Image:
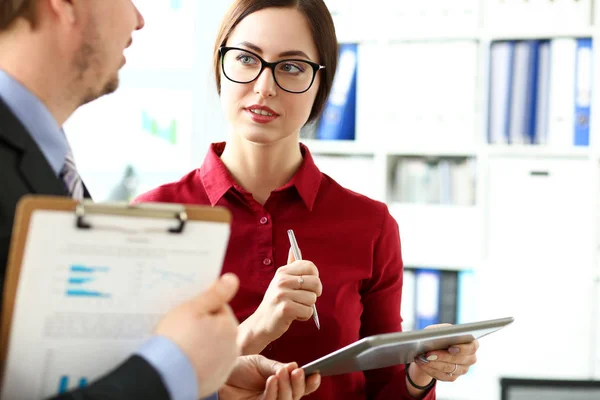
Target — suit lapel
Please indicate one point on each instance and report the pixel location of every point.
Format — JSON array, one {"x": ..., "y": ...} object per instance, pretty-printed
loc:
[
  {"x": 34, "y": 167},
  {"x": 86, "y": 193}
]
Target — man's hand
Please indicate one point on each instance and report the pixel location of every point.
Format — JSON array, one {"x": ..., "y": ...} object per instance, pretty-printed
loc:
[
  {"x": 256, "y": 377},
  {"x": 205, "y": 329}
]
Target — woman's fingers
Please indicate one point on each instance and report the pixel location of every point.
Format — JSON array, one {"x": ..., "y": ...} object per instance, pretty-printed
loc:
[
  {"x": 290, "y": 310},
  {"x": 308, "y": 283},
  {"x": 302, "y": 267}
]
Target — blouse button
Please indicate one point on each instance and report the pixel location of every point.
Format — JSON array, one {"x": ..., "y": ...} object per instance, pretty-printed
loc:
[
  {"x": 267, "y": 261},
  {"x": 264, "y": 220}
]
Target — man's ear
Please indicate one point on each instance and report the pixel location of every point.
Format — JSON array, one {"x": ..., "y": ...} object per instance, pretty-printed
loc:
[{"x": 63, "y": 9}]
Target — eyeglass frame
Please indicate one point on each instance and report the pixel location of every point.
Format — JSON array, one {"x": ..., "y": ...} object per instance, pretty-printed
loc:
[{"x": 272, "y": 65}]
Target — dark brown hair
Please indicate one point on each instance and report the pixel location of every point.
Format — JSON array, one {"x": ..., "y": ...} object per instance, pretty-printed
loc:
[
  {"x": 10, "y": 10},
  {"x": 323, "y": 32}
]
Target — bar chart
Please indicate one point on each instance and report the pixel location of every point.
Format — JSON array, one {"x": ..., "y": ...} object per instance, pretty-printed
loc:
[
  {"x": 166, "y": 131},
  {"x": 68, "y": 367},
  {"x": 63, "y": 384},
  {"x": 86, "y": 281}
]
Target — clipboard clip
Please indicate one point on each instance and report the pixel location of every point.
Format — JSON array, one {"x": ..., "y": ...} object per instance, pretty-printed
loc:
[{"x": 151, "y": 210}]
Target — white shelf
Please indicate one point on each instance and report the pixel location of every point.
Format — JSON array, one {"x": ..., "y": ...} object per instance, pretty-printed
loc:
[
  {"x": 435, "y": 264},
  {"x": 432, "y": 151},
  {"x": 433, "y": 36},
  {"x": 352, "y": 35},
  {"x": 351, "y": 147},
  {"x": 338, "y": 147},
  {"x": 538, "y": 151},
  {"x": 528, "y": 34}
]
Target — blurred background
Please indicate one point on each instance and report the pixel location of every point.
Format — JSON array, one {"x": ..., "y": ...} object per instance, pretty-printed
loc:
[{"x": 474, "y": 120}]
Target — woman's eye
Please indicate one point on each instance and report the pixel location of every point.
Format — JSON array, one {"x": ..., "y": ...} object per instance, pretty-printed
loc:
[
  {"x": 245, "y": 59},
  {"x": 291, "y": 68}
]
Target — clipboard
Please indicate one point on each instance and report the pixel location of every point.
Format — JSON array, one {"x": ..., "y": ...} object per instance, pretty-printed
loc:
[
  {"x": 149, "y": 258},
  {"x": 385, "y": 350}
]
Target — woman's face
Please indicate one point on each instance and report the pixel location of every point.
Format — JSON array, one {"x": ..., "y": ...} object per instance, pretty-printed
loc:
[{"x": 260, "y": 111}]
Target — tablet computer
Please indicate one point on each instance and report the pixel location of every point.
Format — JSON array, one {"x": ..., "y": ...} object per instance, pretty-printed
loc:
[{"x": 389, "y": 349}]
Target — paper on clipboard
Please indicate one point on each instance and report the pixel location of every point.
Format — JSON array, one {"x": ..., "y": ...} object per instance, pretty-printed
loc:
[{"x": 87, "y": 298}]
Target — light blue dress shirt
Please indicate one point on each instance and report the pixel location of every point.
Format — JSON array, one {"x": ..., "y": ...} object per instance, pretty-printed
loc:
[
  {"x": 171, "y": 363},
  {"x": 174, "y": 367}
]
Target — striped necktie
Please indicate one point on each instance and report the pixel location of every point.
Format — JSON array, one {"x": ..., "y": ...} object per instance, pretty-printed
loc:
[{"x": 71, "y": 178}]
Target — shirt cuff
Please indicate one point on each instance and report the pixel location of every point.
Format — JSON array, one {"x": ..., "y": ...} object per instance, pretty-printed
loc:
[{"x": 173, "y": 366}]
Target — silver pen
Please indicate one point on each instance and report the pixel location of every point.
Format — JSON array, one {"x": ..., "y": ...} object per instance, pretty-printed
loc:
[{"x": 298, "y": 257}]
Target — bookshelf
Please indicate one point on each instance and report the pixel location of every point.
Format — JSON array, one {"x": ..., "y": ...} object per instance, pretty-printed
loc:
[{"x": 538, "y": 261}]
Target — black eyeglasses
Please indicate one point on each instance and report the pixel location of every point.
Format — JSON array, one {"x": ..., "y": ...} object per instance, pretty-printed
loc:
[{"x": 292, "y": 75}]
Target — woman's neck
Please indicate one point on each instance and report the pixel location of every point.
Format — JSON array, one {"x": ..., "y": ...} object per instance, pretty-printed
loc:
[{"x": 262, "y": 168}]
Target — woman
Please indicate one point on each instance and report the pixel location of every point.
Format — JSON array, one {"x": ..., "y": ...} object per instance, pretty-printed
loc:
[{"x": 274, "y": 66}]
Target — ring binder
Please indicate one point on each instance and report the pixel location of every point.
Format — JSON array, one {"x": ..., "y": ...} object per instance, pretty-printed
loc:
[{"x": 152, "y": 210}]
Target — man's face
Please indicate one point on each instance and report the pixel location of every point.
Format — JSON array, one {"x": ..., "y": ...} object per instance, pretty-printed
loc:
[{"x": 106, "y": 30}]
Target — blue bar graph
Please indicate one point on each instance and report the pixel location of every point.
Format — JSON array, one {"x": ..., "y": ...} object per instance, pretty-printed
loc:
[
  {"x": 81, "y": 278},
  {"x": 80, "y": 281},
  {"x": 85, "y": 293},
  {"x": 81, "y": 268},
  {"x": 63, "y": 384}
]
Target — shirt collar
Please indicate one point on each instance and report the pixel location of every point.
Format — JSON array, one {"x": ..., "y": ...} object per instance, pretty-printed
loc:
[
  {"x": 307, "y": 179},
  {"x": 215, "y": 177},
  {"x": 217, "y": 180},
  {"x": 37, "y": 119}
]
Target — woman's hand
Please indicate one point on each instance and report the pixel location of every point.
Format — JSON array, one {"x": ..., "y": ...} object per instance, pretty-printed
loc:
[
  {"x": 446, "y": 365},
  {"x": 291, "y": 294}
]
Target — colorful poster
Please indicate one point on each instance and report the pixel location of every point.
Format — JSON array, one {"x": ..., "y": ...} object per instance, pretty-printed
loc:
[{"x": 147, "y": 130}]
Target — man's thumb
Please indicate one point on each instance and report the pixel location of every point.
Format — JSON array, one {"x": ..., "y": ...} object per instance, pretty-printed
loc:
[{"x": 218, "y": 294}]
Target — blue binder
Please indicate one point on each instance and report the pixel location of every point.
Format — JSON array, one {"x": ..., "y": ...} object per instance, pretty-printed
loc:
[
  {"x": 583, "y": 92},
  {"x": 500, "y": 94},
  {"x": 532, "y": 89},
  {"x": 339, "y": 116},
  {"x": 427, "y": 297}
]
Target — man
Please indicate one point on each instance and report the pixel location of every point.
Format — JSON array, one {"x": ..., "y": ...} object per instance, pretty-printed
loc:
[{"x": 56, "y": 55}]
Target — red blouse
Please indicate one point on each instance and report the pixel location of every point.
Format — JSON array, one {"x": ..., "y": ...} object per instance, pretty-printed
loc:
[{"x": 353, "y": 241}]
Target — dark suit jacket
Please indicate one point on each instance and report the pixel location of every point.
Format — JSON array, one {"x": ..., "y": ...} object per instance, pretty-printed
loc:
[{"x": 23, "y": 170}]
